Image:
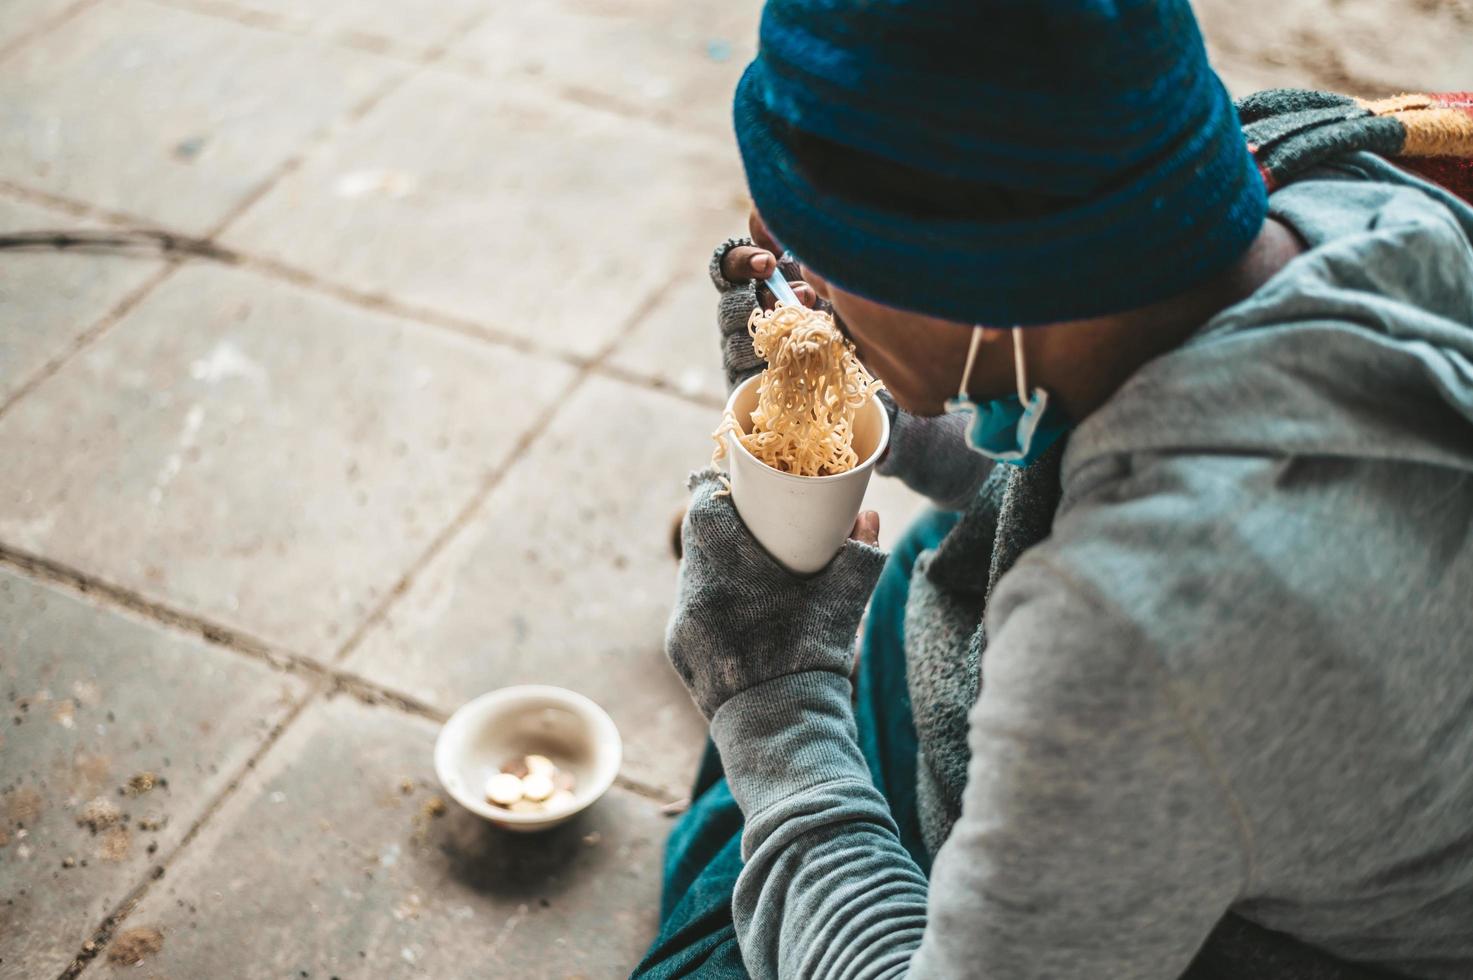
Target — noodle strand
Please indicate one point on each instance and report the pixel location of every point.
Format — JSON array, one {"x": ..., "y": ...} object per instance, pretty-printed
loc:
[{"x": 808, "y": 396}]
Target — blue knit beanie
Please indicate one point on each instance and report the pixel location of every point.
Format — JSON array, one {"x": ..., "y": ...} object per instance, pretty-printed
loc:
[{"x": 1107, "y": 111}]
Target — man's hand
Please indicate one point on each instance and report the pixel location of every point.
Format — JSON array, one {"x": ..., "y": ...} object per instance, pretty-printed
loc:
[
  {"x": 741, "y": 619},
  {"x": 755, "y": 262},
  {"x": 929, "y": 454}
]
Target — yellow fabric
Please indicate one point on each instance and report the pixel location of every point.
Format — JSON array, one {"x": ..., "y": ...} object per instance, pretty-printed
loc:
[{"x": 1436, "y": 132}]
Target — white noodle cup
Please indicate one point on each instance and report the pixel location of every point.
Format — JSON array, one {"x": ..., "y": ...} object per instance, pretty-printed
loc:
[{"x": 802, "y": 521}]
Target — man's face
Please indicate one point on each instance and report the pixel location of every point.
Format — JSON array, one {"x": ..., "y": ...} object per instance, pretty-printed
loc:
[{"x": 920, "y": 358}]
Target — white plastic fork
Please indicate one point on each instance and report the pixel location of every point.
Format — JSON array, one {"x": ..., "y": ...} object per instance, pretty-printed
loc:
[{"x": 781, "y": 289}]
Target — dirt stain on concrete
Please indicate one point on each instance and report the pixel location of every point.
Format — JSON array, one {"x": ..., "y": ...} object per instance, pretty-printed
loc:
[
  {"x": 134, "y": 946},
  {"x": 64, "y": 713},
  {"x": 99, "y": 814},
  {"x": 95, "y": 771},
  {"x": 115, "y": 845},
  {"x": 23, "y": 806},
  {"x": 140, "y": 783}
]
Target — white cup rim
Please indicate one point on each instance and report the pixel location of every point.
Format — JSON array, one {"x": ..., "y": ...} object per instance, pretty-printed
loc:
[{"x": 736, "y": 443}]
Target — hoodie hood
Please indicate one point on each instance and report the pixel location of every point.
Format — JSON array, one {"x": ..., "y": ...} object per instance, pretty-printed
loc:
[{"x": 1360, "y": 347}]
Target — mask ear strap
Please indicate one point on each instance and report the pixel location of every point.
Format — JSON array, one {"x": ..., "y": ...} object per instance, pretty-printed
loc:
[
  {"x": 971, "y": 359},
  {"x": 1018, "y": 367}
]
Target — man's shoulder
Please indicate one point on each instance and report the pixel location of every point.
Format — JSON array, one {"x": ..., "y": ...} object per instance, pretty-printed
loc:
[
  {"x": 1223, "y": 554},
  {"x": 1235, "y": 572}
]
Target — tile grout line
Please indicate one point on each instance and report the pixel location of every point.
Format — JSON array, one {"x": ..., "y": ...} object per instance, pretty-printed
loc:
[
  {"x": 235, "y": 642},
  {"x": 364, "y": 41},
  {"x": 380, "y": 303},
  {"x": 320, "y": 681},
  {"x": 94, "y": 945},
  {"x": 429, "y": 57},
  {"x": 388, "y": 47},
  {"x": 642, "y": 789},
  {"x": 478, "y": 499},
  {"x": 45, "y": 26},
  {"x": 319, "y": 139},
  {"x": 477, "y": 502},
  {"x": 104, "y": 931},
  {"x": 524, "y": 442},
  {"x": 284, "y": 272},
  {"x": 357, "y": 112},
  {"x": 71, "y": 206},
  {"x": 657, "y": 384},
  {"x": 100, "y": 937},
  {"x": 119, "y": 598},
  {"x": 475, "y": 331},
  {"x": 243, "y": 643},
  {"x": 462, "y": 517},
  {"x": 108, "y": 321},
  {"x": 89, "y": 336},
  {"x": 323, "y": 681},
  {"x": 375, "y": 303}
]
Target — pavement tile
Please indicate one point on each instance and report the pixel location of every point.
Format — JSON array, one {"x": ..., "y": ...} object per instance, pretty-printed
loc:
[
  {"x": 168, "y": 115},
  {"x": 423, "y": 24},
  {"x": 490, "y": 203},
  {"x": 678, "y": 59},
  {"x": 1371, "y": 48},
  {"x": 322, "y": 865},
  {"x": 676, "y": 344},
  {"x": 566, "y": 577},
  {"x": 260, "y": 455},
  {"x": 94, "y": 698},
  {"x": 51, "y": 298},
  {"x": 24, "y": 16}
]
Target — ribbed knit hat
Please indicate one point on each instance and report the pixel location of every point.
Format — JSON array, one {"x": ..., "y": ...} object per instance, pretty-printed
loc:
[{"x": 1105, "y": 111}]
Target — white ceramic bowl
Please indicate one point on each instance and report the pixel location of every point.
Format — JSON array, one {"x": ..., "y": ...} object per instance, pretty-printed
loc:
[{"x": 533, "y": 719}]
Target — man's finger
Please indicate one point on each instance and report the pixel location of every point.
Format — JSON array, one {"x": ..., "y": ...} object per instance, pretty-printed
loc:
[
  {"x": 801, "y": 289},
  {"x": 746, "y": 262},
  {"x": 867, "y": 528}
]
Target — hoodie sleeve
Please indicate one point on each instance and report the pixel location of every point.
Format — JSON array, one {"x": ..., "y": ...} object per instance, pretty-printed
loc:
[{"x": 1096, "y": 837}]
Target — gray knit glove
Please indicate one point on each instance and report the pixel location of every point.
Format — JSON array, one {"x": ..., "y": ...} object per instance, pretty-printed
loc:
[
  {"x": 741, "y": 619},
  {"x": 734, "y": 308}
]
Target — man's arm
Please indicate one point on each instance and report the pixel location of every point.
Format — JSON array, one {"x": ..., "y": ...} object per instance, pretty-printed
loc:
[{"x": 1097, "y": 837}]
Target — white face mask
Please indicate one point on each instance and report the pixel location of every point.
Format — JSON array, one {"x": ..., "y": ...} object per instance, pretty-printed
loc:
[{"x": 1016, "y": 429}]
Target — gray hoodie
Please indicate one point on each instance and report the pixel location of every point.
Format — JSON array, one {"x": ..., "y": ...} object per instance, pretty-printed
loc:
[{"x": 1238, "y": 675}]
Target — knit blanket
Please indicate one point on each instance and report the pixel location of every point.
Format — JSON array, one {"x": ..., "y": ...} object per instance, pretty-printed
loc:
[{"x": 1290, "y": 131}]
